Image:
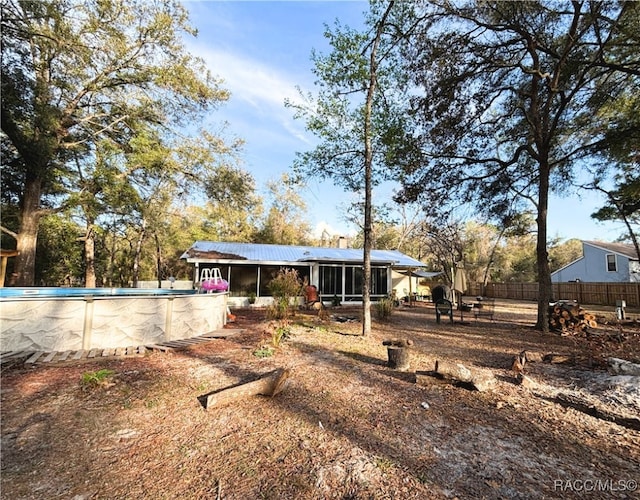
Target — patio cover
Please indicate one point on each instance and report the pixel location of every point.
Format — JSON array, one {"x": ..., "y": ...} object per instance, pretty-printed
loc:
[{"x": 417, "y": 273}]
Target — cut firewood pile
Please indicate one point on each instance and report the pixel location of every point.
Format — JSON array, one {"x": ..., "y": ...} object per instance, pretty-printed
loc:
[{"x": 569, "y": 318}]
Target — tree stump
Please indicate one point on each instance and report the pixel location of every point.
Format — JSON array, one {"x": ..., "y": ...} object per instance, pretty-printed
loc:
[{"x": 398, "y": 358}]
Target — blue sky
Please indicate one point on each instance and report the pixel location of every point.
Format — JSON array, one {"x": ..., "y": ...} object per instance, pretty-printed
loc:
[{"x": 262, "y": 51}]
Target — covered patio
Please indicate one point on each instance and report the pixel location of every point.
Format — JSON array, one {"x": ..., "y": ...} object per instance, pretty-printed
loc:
[{"x": 336, "y": 272}]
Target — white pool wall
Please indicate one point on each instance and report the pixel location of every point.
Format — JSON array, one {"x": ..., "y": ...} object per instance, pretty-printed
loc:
[{"x": 74, "y": 323}]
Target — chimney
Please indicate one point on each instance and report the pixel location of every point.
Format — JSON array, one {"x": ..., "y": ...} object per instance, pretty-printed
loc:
[{"x": 343, "y": 242}]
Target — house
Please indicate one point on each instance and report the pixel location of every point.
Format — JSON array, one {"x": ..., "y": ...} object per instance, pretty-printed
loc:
[
  {"x": 336, "y": 272},
  {"x": 602, "y": 263}
]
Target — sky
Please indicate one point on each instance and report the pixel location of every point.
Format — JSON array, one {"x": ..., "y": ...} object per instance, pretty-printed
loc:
[{"x": 262, "y": 51}]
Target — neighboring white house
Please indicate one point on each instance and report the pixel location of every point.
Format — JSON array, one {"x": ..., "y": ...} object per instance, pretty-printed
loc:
[
  {"x": 602, "y": 263},
  {"x": 336, "y": 272}
]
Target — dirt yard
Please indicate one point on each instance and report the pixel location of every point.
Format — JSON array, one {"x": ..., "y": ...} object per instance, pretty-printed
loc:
[{"x": 345, "y": 426}]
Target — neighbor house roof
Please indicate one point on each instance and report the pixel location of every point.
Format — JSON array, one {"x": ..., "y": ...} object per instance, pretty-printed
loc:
[
  {"x": 218, "y": 251},
  {"x": 625, "y": 249}
]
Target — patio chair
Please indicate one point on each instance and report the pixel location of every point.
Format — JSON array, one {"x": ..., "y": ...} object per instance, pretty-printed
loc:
[
  {"x": 312, "y": 298},
  {"x": 484, "y": 306},
  {"x": 444, "y": 307}
]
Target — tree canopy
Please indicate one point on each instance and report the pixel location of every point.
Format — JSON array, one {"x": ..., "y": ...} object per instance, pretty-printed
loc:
[
  {"x": 350, "y": 114},
  {"x": 504, "y": 100},
  {"x": 77, "y": 74}
]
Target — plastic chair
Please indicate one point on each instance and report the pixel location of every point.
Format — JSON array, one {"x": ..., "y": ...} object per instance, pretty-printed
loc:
[
  {"x": 211, "y": 280},
  {"x": 444, "y": 307}
]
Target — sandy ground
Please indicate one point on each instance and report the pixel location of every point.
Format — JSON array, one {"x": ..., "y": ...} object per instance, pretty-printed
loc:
[{"x": 345, "y": 426}]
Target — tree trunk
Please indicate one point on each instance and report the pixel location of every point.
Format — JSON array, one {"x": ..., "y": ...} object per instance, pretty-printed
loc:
[
  {"x": 485, "y": 279},
  {"x": 158, "y": 261},
  {"x": 27, "y": 237},
  {"x": 542, "y": 255},
  {"x": 367, "y": 230},
  {"x": 138, "y": 253},
  {"x": 111, "y": 263},
  {"x": 632, "y": 233},
  {"x": 90, "y": 257},
  {"x": 368, "y": 169}
]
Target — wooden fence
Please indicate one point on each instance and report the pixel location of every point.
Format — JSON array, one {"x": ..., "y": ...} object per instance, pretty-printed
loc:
[{"x": 605, "y": 294}]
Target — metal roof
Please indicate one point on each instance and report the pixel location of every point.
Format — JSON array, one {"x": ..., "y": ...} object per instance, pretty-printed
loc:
[{"x": 219, "y": 251}]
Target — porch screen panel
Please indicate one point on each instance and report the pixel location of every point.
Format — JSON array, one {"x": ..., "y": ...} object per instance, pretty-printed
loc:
[
  {"x": 268, "y": 273},
  {"x": 243, "y": 280},
  {"x": 379, "y": 281},
  {"x": 354, "y": 279},
  {"x": 330, "y": 280},
  {"x": 224, "y": 270}
]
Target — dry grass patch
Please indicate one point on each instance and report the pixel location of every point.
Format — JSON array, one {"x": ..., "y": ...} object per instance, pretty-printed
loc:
[{"x": 346, "y": 426}]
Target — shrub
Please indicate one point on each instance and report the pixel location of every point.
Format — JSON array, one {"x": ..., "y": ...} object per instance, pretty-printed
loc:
[
  {"x": 94, "y": 379},
  {"x": 264, "y": 352},
  {"x": 281, "y": 333},
  {"x": 285, "y": 288},
  {"x": 384, "y": 308}
]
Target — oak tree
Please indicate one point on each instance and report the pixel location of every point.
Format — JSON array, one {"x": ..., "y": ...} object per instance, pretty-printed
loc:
[
  {"x": 503, "y": 96},
  {"x": 76, "y": 72}
]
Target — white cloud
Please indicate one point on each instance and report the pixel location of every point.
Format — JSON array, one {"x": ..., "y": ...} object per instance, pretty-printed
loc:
[
  {"x": 331, "y": 231},
  {"x": 257, "y": 87}
]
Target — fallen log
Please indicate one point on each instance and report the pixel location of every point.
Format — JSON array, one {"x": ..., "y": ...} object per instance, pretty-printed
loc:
[
  {"x": 458, "y": 372},
  {"x": 429, "y": 378},
  {"x": 268, "y": 384},
  {"x": 618, "y": 366},
  {"x": 557, "y": 359},
  {"x": 597, "y": 410},
  {"x": 532, "y": 356}
]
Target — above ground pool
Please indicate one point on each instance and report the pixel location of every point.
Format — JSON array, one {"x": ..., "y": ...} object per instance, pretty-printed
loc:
[
  {"x": 62, "y": 319},
  {"x": 41, "y": 292}
]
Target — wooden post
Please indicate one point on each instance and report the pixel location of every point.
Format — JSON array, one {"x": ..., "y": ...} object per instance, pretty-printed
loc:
[{"x": 4, "y": 255}]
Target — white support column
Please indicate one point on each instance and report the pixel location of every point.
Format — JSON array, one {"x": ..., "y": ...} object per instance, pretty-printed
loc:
[{"x": 88, "y": 323}]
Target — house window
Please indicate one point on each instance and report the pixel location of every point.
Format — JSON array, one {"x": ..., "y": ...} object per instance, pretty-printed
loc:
[
  {"x": 611, "y": 263},
  {"x": 353, "y": 282}
]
